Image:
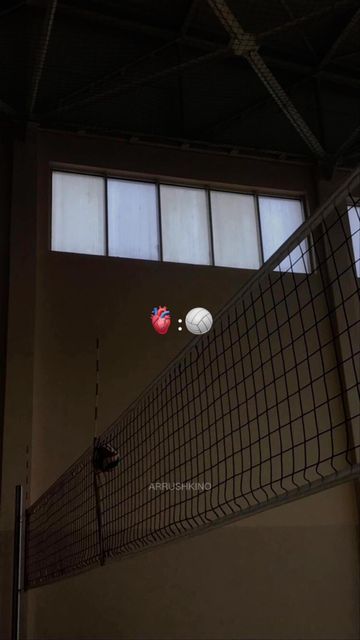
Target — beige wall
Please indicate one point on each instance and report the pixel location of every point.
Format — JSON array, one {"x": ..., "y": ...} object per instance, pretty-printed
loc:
[
  {"x": 20, "y": 358},
  {"x": 5, "y": 200},
  {"x": 5, "y": 203},
  {"x": 289, "y": 573},
  {"x": 80, "y": 297}
]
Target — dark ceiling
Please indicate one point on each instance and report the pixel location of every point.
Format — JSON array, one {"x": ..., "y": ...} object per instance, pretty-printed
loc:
[{"x": 271, "y": 77}]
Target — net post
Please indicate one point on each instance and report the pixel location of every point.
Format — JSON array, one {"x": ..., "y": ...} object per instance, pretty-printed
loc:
[
  {"x": 97, "y": 487},
  {"x": 17, "y": 563},
  {"x": 98, "y": 505}
]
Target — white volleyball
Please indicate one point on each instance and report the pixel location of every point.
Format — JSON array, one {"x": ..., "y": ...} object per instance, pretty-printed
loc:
[{"x": 198, "y": 320}]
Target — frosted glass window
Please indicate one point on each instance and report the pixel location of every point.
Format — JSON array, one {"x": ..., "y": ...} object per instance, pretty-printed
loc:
[
  {"x": 185, "y": 225},
  {"x": 279, "y": 218},
  {"x": 235, "y": 230},
  {"x": 133, "y": 220},
  {"x": 78, "y": 213},
  {"x": 354, "y": 221}
]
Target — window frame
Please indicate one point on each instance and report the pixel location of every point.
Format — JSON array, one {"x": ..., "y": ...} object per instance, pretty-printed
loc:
[
  {"x": 255, "y": 196},
  {"x": 157, "y": 181},
  {"x": 55, "y": 169},
  {"x": 158, "y": 217},
  {"x": 308, "y": 239},
  {"x": 350, "y": 205},
  {"x": 160, "y": 184}
]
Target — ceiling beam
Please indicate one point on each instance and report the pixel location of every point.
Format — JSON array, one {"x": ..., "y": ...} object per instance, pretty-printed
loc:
[
  {"x": 213, "y": 127},
  {"x": 105, "y": 91},
  {"x": 14, "y": 7},
  {"x": 133, "y": 26},
  {"x": 340, "y": 39},
  {"x": 96, "y": 87},
  {"x": 183, "y": 144},
  {"x": 285, "y": 104},
  {"x": 304, "y": 37},
  {"x": 247, "y": 110},
  {"x": 42, "y": 52},
  {"x": 243, "y": 113},
  {"x": 303, "y": 19},
  {"x": 244, "y": 44},
  {"x": 203, "y": 44},
  {"x": 92, "y": 15},
  {"x": 101, "y": 87},
  {"x": 345, "y": 56},
  {"x": 92, "y": 87},
  {"x": 348, "y": 144},
  {"x": 189, "y": 16},
  {"x": 311, "y": 71},
  {"x": 170, "y": 34}
]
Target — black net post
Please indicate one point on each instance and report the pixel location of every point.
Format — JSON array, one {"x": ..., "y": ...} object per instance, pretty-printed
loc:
[{"x": 17, "y": 564}]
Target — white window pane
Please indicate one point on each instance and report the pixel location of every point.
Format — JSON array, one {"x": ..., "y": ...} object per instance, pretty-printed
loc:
[
  {"x": 354, "y": 221},
  {"x": 235, "y": 230},
  {"x": 133, "y": 220},
  {"x": 185, "y": 225},
  {"x": 78, "y": 213},
  {"x": 279, "y": 218}
]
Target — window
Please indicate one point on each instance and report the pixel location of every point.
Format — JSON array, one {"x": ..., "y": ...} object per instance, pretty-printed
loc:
[
  {"x": 279, "y": 218},
  {"x": 354, "y": 222},
  {"x": 236, "y": 242},
  {"x": 150, "y": 221},
  {"x": 133, "y": 220},
  {"x": 185, "y": 225},
  {"x": 78, "y": 213}
]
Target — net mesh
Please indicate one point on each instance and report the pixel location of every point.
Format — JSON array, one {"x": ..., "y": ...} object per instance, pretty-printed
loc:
[{"x": 262, "y": 409}]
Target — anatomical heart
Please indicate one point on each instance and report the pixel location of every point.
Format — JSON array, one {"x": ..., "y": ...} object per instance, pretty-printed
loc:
[{"x": 160, "y": 319}]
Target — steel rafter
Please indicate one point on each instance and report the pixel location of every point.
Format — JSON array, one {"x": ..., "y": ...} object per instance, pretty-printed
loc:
[
  {"x": 43, "y": 49},
  {"x": 129, "y": 84},
  {"x": 340, "y": 39},
  {"x": 310, "y": 71},
  {"x": 189, "y": 16},
  {"x": 244, "y": 44},
  {"x": 7, "y": 10},
  {"x": 347, "y": 145},
  {"x": 96, "y": 88},
  {"x": 202, "y": 44},
  {"x": 304, "y": 38},
  {"x": 247, "y": 110},
  {"x": 309, "y": 17},
  {"x": 161, "y": 32}
]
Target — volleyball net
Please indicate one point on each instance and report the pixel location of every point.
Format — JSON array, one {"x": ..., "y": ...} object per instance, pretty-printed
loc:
[{"x": 261, "y": 410}]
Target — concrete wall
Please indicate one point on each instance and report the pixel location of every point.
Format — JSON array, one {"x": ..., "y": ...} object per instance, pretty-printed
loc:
[{"x": 288, "y": 573}]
